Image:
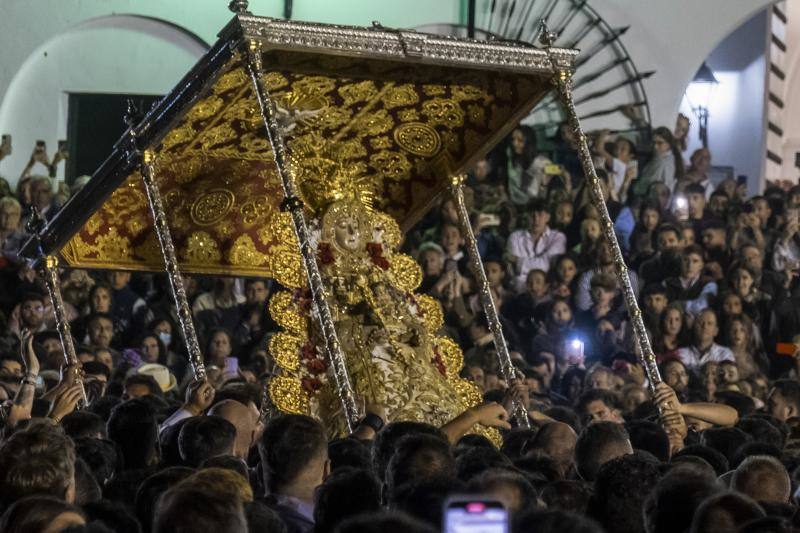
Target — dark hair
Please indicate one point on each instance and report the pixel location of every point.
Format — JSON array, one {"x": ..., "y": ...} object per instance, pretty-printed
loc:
[
  {"x": 649, "y": 436},
  {"x": 419, "y": 457},
  {"x": 133, "y": 427},
  {"x": 385, "y": 522},
  {"x": 743, "y": 403},
  {"x": 722, "y": 512},
  {"x": 671, "y": 505},
  {"x": 424, "y": 498},
  {"x": 725, "y": 440},
  {"x": 101, "y": 456},
  {"x": 104, "y": 405},
  {"x": 474, "y": 461},
  {"x": 115, "y": 515},
  {"x": 592, "y": 395},
  {"x": 594, "y": 444},
  {"x": 96, "y": 287},
  {"x": 162, "y": 349},
  {"x": 553, "y": 522},
  {"x": 349, "y": 452},
  {"x": 495, "y": 478},
  {"x": 348, "y": 492},
  {"x": 666, "y": 134},
  {"x": 168, "y": 444},
  {"x": 621, "y": 487},
  {"x": 210, "y": 511},
  {"x": 87, "y": 489},
  {"x": 35, "y": 513},
  {"x": 762, "y": 431},
  {"x": 39, "y": 460},
  {"x": 289, "y": 443},
  {"x": 227, "y": 462},
  {"x": 568, "y": 495},
  {"x": 151, "y": 490},
  {"x": 79, "y": 424},
  {"x": 96, "y": 367},
  {"x": 147, "y": 381},
  {"x": 790, "y": 390},
  {"x": 262, "y": 518},
  {"x": 385, "y": 443},
  {"x": 717, "y": 460},
  {"x": 203, "y": 437}
]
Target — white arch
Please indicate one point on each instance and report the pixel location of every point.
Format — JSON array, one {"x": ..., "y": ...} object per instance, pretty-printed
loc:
[{"x": 116, "y": 53}]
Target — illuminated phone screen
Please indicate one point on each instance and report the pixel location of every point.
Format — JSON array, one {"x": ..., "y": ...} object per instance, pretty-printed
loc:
[{"x": 475, "y": 517}]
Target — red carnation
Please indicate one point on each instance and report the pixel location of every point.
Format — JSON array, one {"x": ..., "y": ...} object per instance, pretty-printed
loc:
[
  {"x": 316, "y": 366},
  {"x": 437, "y": 360},
  {"x": 310, "y": 385},
  {"x": 324, "y": 253},
  {"x": 307, "y": 352},
  {"x": 375, "y": 250}
]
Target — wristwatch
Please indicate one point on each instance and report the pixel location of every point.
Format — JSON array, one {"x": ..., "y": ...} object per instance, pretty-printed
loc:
[{"x": 373, "y": 421}]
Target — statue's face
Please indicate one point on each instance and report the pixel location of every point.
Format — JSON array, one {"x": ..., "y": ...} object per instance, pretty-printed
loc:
[{"x": 347, "y": 233}]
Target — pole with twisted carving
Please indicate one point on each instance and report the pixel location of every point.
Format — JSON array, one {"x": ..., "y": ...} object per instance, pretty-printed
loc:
[
  {"x": 171, "y": 266},
  {"x": 294, "y": 206},
  {"x": 487, "y": 302},
  {"x": 563, "y": 83}
]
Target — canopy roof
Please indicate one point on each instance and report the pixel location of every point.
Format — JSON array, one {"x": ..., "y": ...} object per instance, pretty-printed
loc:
[{"x": 392, "y": 113}]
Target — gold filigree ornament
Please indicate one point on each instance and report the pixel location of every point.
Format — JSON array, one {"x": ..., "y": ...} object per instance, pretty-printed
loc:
[
  {"x": 274, "y": 81},
  {"x": 322, "y": 175},
  {"x": 387, "y": 230},
  {"x": 391, "y": 165},
  {"x": 314, "y": 85},
  {"x": 284, "y": 310},
  {"x": 451, "y": 355},
  {"x": 431, "y": 312},
  {"x": 284, "y": 347},
  {"x": 418, "y": 139},
  {"x": 443, "y": 111},
  {"x": 354, "y": 93},
  {"x": 211, "y": 206},
  {"x": 231, "y": 80},
  {"x": 401, "y": 95},
  {"x": 112, "y": 247},
  {"x": 406, "y": 273},
  {"x": 286, "y": 265},
  {"x": 201, "y": 249},
  {"x": 244, "y": 253},
  {"x": 205, "y": 108},
  {"x": 288, "y": 396},
  {"x": 180, "y": 135},
  {"x": 374, "y": 123}
]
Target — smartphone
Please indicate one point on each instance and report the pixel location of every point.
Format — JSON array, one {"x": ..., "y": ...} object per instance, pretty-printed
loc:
[
  {"x": 741, "y": 180},
  {"x": 450, "y": 265},
  {"x": 553, "y": 170},
  {"x": 231, "y": 366},
  {"x": 573, "y": 352},
  {"x": 474, "y": 514},
  {"x": 682, "y": 208},
  {"x": 62, "y": 145}
]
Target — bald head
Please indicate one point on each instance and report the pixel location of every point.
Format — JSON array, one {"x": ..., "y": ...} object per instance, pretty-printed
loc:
[
  {"x": 763, "y": 478},
  {"x": 556, "y": 440},
  {"x": 244, "y": 418}
]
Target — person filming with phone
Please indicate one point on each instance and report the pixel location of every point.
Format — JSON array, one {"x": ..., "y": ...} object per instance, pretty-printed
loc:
[{"x": 534, "y": 248}]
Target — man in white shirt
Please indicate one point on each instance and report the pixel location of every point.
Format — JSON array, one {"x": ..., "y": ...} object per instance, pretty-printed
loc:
[
  {"x": 534, "y": 248},
  {"x": 703, "y": 349}
]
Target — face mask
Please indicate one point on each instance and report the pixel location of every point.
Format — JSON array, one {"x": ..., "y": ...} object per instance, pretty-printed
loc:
[{"x": 165, "y": 337}]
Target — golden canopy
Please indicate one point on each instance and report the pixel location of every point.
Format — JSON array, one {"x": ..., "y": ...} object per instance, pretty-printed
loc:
[{"x": 395, "y": 112}]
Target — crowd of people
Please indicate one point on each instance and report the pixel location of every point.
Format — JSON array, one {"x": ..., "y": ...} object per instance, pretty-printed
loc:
[{"x": 714, "y": 446}]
